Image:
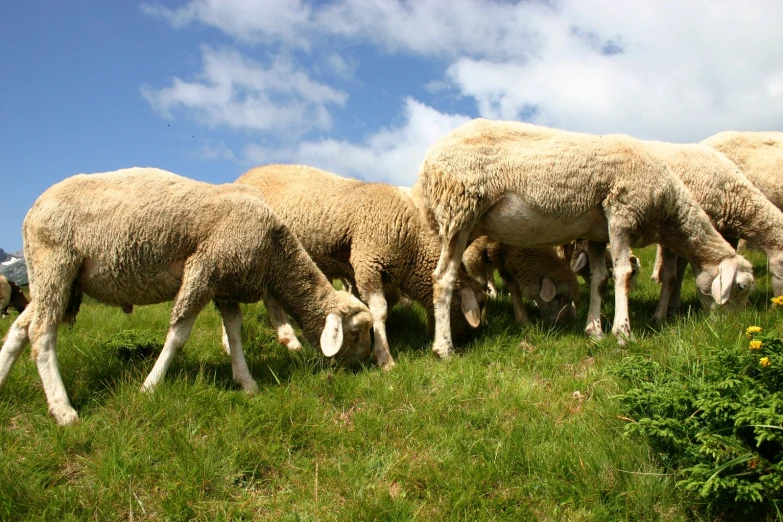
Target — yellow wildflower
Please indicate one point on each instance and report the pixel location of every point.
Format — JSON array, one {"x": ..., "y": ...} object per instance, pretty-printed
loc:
[
  {"x": 752, "y": 330},
  {"x": 764, "y": 362},
  {"x": 755, "y": 345},
  {"x": 777, "y": 300}
]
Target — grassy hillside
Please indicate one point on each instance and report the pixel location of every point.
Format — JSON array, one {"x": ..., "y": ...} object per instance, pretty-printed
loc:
[{"x": 520, "y": 425}]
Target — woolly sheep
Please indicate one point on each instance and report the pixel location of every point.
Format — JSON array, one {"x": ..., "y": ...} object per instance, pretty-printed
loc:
[
  {"x": 369, "y": 233},
  {"x": 537, "y": 274},
  {"x": 735, "y": 206},
  {"x": 532, "y": 186},
  {"x": 144, "y": 236},
  {"x": 576, "y": 253},
  {"x": 759, "y": 155},
  {"x": 11, "y": 295}
]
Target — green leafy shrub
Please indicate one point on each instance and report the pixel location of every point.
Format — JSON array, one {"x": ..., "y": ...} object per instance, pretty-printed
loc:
[{"x": 716, "y": 422}]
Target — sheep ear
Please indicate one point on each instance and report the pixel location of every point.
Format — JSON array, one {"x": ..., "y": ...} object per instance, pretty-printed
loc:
[
  {"x": 581, "y": 262},
  {"x": 721, "y": 285},
  {"x": 332, "y": 336},
  {"x": 470, "y": 307},
  {"x": 548, "y": 289}
]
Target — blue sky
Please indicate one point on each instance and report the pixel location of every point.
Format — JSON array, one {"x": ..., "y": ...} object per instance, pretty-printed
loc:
[{"x": 209, "y": 88}]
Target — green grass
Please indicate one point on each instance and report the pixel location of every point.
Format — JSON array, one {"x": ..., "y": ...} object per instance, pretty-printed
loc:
[{"x": 498, "y": 432}]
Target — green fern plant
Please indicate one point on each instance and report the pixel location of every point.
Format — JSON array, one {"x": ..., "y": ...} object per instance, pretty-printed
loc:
[{"x": 717, "y": 425}]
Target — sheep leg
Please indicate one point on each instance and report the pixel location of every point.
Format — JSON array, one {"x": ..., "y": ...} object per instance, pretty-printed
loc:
[
  {"x": 621, "y": 259},
  {"x": 674, "y": 301},
  {"x": 232, "y": 328},
  {"x": 520, "y": 314},
  {"x": 444, "y": 277},
  {"x": 492, "y": 290},
  {"x": 430, "y": 323},
  {"x": 667, "y": 274},
  {"x": 285, "y": 332},
  {"x": 191, "y": 299},
  {"x": 378, "y": 309},
  {"x": 43, "y": 337},
  {"x": 175, "y": 339},
  {"x": 14, "y": 344},
  {"x": 656, "y": 271},
  {"x": 596, "y": 255},
  {"x": 370, "y": 287}
]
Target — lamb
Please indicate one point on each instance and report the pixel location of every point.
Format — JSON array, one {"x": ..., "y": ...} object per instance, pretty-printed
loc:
[
  {"x": 142, "y": 236},
  {"x": 759, "y": 155},
  {"x": 532, "y": 186},
  {"x": 536, "y": 274},
  {"x": 576, "y": 253},
  {"x": 369, "y": 233},
  {"x": 11, "y": 295},
  {"x": 736, "y": 208}
]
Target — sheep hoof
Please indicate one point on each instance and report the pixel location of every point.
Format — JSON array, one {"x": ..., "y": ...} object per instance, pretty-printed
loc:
[
  {"x": 249, "y": 387},
  {"x": 292, "y": 344},
  {"x": 623, "y": 338},
  {"x": 64, "y": 415},
  {"x": 443, "y": 350},
  {"x": 387, "y": 365},
  {"x": 594, "y": 332}
]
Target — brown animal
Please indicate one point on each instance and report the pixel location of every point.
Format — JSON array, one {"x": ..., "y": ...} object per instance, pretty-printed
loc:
[
  {"x": 11, "y": 295},
  {"x": 537, "y": 274}
]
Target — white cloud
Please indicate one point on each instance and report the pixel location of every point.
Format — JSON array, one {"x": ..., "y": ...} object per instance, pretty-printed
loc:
[
  {"x": 341, "y": 67},
  {"x": 667, "y": 70},
  {"x": 248, "y": 21},
  {"x": 235, "y": 91},
  {"x": 680, "y": 78},
  {"x": 391, "y": 154}
]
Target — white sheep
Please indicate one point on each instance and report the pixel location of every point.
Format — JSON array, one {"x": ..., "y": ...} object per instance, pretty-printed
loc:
[
  {"x": 11, "y": 295},
  {"x": 371, "y": 234},
  {"x": 532, "y": 186},
  {"x": 759, "y": 155},
  {"x": 735, "y": 206},
  {"x": 144, "y": 236},
  {"x": 537, "y": 274},
  {"x": 576, "y": 253}
]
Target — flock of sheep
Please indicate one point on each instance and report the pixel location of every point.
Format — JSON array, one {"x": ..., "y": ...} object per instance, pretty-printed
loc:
[{"x": 490, "y": 195}]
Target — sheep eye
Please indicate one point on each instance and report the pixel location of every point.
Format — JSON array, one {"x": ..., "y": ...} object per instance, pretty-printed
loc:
[
  {"x": 741, "y": 286},
  {"x": 355, "y": 333}
]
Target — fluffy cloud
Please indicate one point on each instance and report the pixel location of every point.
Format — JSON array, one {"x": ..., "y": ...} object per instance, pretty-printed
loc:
[
  {"x": 249, "y": 21},
  {"x": 238, "y": 92},
  {"x": 668, "y": 70},
  {"x": 391, "y": 154}
]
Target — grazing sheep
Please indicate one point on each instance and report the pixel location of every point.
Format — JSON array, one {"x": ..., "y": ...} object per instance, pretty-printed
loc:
[
  {"x": 576, "y": 252},
  {"x": 735, "y": 206},
  {"x": 144, "y": 236},
  {"x": 759, "y": 155},
  {"x": 371, "y": 234},
  {"x": 537, "y": 274},
  {"x": 11, "y": 295},
  {"x": 532, "y": 186}
]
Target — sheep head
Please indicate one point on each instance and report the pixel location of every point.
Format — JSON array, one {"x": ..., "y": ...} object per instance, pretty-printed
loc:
[
  {"x": 726, "y": 284},
  {"x": 555, "y": 297},
  {"x": 346, "y": 333}
]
